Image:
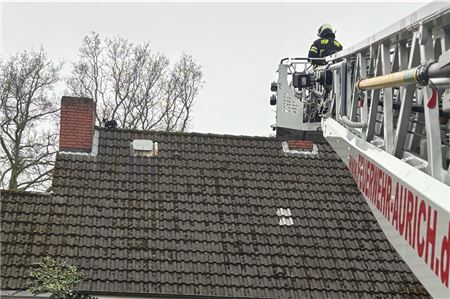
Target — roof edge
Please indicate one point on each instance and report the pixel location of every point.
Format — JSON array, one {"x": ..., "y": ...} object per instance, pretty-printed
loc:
[{"x": 212, "y": 135}]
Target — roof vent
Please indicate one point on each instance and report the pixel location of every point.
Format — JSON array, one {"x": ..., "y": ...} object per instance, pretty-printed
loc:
[{"x": 144, "y": 148}]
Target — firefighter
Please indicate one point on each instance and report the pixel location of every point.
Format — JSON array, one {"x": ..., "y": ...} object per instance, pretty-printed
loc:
[{"x": 325, "y": 45}]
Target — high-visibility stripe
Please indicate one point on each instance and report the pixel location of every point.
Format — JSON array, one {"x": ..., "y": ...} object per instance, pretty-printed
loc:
[
  {"x": 313, "y": 49},
  {"x": 336, "y": 43},
  {"x": 324, "y": 41}
]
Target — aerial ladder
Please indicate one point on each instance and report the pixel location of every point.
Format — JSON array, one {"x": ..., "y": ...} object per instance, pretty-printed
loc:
[{"x": 384, "y": 106}]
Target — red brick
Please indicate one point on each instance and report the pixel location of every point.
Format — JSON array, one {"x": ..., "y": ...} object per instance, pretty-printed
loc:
[{"x": 300, "y": 144}]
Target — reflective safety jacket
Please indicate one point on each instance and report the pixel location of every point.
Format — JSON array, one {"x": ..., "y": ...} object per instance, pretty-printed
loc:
[{"x": 323, "y": 47}]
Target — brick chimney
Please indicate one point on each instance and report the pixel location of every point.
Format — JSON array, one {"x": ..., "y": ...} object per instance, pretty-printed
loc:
[{"x": 76, "y": 124}]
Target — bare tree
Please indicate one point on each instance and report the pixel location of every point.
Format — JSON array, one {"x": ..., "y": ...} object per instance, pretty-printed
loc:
[
  {"x": 135, "y": 86},
  {"x": 28, "y": 143},
  {"x": 180, "y": 91}
]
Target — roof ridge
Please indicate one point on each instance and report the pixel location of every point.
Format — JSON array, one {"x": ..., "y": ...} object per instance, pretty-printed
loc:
[{"x": 188, "y": 133}]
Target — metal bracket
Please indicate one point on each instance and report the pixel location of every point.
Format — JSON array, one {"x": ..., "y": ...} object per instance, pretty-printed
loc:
[{"x": 422, "y": 35}]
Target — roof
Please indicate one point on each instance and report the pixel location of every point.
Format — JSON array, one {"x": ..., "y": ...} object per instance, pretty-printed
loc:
[{"x": 201, "y": 219}]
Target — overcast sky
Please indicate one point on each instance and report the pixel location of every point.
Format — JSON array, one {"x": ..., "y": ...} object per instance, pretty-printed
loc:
[{"x": 239, "y": 45}]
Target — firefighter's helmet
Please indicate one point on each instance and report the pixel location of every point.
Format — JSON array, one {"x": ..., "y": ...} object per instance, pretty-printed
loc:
[{"x": 323, "y": 28}]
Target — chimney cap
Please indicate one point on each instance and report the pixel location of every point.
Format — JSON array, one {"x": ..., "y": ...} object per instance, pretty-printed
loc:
[{"x": 76, "y": 99}]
